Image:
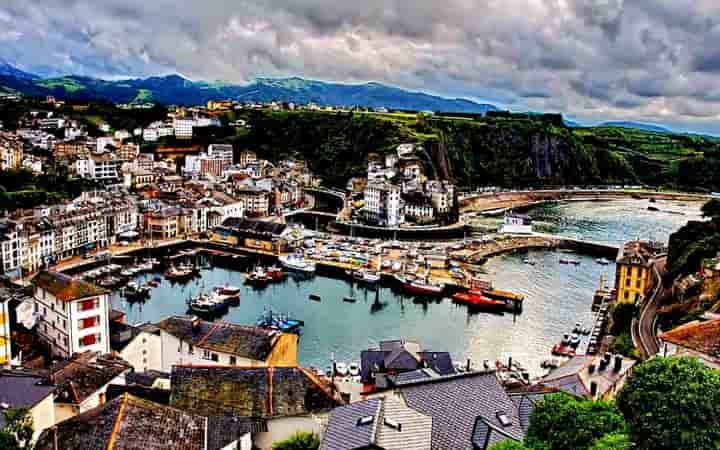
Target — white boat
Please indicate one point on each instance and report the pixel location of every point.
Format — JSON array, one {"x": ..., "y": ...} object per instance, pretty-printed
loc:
[
  {"x": 602, "y": 261},
  {"x": 516, "y": 224},
  {"x": 126, "y": 273},
  {"x": 575, "y": 340},
  {"x": 341, "y": 369},
  {"x": 297, "y": 263},
  {"x": 396, "y": 266},
  {"x": 354, "y": 369}
]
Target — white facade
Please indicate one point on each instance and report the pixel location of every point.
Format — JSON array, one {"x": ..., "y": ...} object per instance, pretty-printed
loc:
[
  {"x": 184, "y": 128},
  {"x": 222, "y": 151},
  {"x": 73, "y": 326},
  {"x": 176, "y": 352},
  {"x": 383, "y": 204},
  {"x": 144, "y": 352}
]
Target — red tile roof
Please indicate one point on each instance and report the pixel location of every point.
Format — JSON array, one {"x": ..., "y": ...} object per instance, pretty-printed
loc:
[
  {"x": 64, "y": 287},
  {"x": 703, "y": 337}
]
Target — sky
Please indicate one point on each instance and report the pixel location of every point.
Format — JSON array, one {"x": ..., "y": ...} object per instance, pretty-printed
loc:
[{"x": 643, "y": 60}]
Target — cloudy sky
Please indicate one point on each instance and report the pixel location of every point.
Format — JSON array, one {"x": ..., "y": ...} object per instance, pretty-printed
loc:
[{"x": 644, "y": 60}]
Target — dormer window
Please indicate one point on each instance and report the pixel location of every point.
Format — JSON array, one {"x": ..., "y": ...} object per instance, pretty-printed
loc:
[
  {"x": 503, "y": 419},
  {"x": 367, "y": 420},
  {"x": 392, "y": 424}
]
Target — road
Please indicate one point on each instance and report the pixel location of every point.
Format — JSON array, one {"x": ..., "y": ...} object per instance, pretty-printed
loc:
[{"x": 645, "y": 328}]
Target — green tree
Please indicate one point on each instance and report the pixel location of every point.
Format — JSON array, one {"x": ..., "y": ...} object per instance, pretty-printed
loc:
[
  {"x": 562, "y": 422},
  {"x": 673, "y": 403},
  {"x": 18, "y": 431},
  {"x": 711, "y": 209},
  {"x": 509, "y": 444},
  {"x": 613, "y": 441},
  {"x": 299, "y": 441}
]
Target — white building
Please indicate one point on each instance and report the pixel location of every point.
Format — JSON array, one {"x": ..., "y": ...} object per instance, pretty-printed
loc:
[
  {"x": 222, "y": 151},
  {"x": 73, "y": 314},
  {"x": 102, "y": 143},
  {"x": 383, "y": 204},
  {"x": 105, "y": 166},
  {"x": 184, "y": 128}
]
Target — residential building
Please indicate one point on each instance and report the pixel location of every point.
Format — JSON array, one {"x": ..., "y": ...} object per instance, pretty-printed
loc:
[
  {"x": 188, "y": 340},
  {"x": 382, "y": 366},
  {"x": 379, "y": 424},
  {"x": 128, "y": 151},
  {"x": 184, "y": 128},
  {"x": 222, "y": 207},
  {"x": 219, "y": 105},
  {"x": 697, "y": 339},
  {"x": 104, "y": 143},
  {"x": 383, "y": 204},
  {"x": 139, "y": 345},
  {"x": 51, "y": 123},
  {"x": 205, "y": 165},
  {"x": 73, "y": 314},
  {"x": 164, "y": 224},
  {"x": 81, "y": 382},
  {"x": 129, "y": 422},
  {"x": 20, "y": 389},
  {"x": 633, "y": 270},
  {"x": 71, "y": 150},
  {"x": 11, "y": 151},
  {"x": 5, "y": 336},
  {"x": 255, "y": 200},
  {"x": 99, "y": 166},
  {"x": 247, "y": 157},
  {"x": 595, "y": 377},
  {"x": 222, "y": 151},
  {"x": 289, "y": 399}
]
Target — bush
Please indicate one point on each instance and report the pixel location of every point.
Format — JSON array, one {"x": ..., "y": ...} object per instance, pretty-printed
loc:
[{"x": 299, "y": 441}]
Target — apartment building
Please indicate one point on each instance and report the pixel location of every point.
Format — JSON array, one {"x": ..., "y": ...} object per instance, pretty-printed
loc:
[
  {"x": 223, "y": 152},
  {"x": 183, "y": 128},
  {"x": 99, "y": 166},
  {"x": 383, "y": 204},
  {"x": 256, "y": 201},
  {"x": 73, "y": 314},
  {"x": 633, "y": 270},
  {"x": 11, "y": 151}
]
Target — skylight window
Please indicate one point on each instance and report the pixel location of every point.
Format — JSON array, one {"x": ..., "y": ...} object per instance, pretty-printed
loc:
[
  {"x": 504, "y": 419},
  {"x": 367, "y": 420}
]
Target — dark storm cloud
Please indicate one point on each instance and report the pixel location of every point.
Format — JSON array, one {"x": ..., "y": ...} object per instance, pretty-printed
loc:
[{"x": 595, "y": 59}]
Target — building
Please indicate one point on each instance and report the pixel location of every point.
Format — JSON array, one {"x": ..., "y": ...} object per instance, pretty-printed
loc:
[
  {"x": 633, "y": 270},
  {"x": 247, "y": 157},
  {"x": 381, "y": 367},
  {"x": 128, "y": 151},
  {"x": 11, "y": 152},
  {"x": 697, "y": 339},
  {"x": 27, "y": 390},
  {"x": 222, "y": 151},
  {"x": 71, "y": 150},
  {"x": 594, "y": 377},
  {"x": 380, "y": 424},
  {"x": 383, "y": 204},
  {"x": 219, "y": 105},
  {"x": 73, "y": 314},
  {"x": 187, "y": 340},
  {"x": 289, "y": 399},
  {"x": 81, "y": 382},
  {"x": 164, "y": 224},
  {"x": 129, "y": 422},
  {"x": 205, "y": 165},
  {"x": 99, "y": 166},
  {"x": 258, "y": 234},
  {"x": 5, "y": 336},
  {"x": 139, "y": 345},
  {"x": 183, "y": 128},
  {"x": 256, "y": 200}
]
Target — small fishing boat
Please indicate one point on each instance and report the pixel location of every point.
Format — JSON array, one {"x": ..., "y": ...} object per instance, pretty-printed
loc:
[
  {"x": 297, "y": 263},
  {"x": 275, "y": 273},
  {"x": 423, "y": 287},
  {"x": 569, "y": 261},
  {"x": 280, "y": 322},
  {"x": 179, "y": 273},
  {"x": 354, "y": 369},
  {"x": 258, "y": 277},
  {"x": 230, "y": 293},
  {"x": 364, "y": 276},
  {"x": 575, "y": 340},
  {"x": 561, "y": 349},
  {"x": 341, "y": 369},
  {"x": 204, "y": 304},
  {"x": 529, "y": 262},
  {"x": 315, "y": 297},
  {"x": 602, "y": 261},
  {"x": 476, "y": 299}
]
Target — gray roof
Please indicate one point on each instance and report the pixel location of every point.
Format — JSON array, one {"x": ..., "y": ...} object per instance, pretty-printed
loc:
[
  {"x": 525, "y": 402},
  {"x": 389, "y": 425},
  {"x": 222, "y": 430},
  {"x": 456, "y": 402},
  {"x": 20, "y": 389}
]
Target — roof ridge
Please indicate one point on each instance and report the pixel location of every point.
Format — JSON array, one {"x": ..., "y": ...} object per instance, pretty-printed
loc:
[
  {"x": 311, "y": 376},
  {"x": 116, "y": 425},
  {"x": 214, "y": 328}
]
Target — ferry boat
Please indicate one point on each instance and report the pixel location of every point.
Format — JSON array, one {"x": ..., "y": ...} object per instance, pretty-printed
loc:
[
  {"x": 476, "y": 299},
  {"x": 516, "y": 224},
  {"x": 297, "y": 263},
  {"x": 423, "y": 287}
]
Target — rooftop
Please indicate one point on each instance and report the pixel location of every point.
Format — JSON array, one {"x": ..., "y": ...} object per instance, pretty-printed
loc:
[
  {"x": 78, "y": 378},
  {"x": 21, "y": 389},
  {"x": 250, "y": 392},
  {"x": 703, "y": 337},
  {"x": 240, "y": 340},
  {"x": 576, "y": 376},
  {"x": 64, "y": 287}
]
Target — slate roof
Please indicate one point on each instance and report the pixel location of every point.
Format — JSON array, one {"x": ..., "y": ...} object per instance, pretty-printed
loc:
[
  {"x": 456, "y": 402},
  {"x": 20, "y": 389},
  {"x": 240, "y": 340},
  {"x": 64, "y": 287},
  {"x": 248, "y": 227},
  {"x": 78, "y": 378},
  {"x": 129, "y": 423},
  {"x": 402, "y": 356},
  {"x": 146, "y": 378},
  {"x": 525, "y": 403},
  {"x": 703, "y": 337},
  {"x": 224, "y": 429},
  {"x": 393, "y": 426},
  {"x": 249, "y": 392},
  {"x": 575, "y": 376}
]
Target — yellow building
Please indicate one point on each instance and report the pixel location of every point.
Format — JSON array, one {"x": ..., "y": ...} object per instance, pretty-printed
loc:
[{"x": 633, "y": 271}]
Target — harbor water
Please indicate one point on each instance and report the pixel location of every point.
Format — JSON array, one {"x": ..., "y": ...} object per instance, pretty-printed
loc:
[{"x": 557, "y": 295}]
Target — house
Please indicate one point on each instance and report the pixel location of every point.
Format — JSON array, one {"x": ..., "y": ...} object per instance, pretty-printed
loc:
[
  {"x": 595, "y": 377},
  {"x": 699, "y": 339},
  {"x": 189, "y": 340},
  {"x": 383, "y": 204},
  {"x": 381, "y": 424},
  {"x": 73, "y": 314},
  {"x": 289, "y": 399},
  {"x": 139, "y": 345},
  {"x": 22, "y": 389},
  {"x": 81, "y": 382},
  {"x": 633, "y": 270},
  {"x": 128, "y": 422},
  {"x": 380, "y": 367},
  {"x": 469, "y": 411},
  {"x": 247, "y": 157},
  {"x": 257, "y": 234}
]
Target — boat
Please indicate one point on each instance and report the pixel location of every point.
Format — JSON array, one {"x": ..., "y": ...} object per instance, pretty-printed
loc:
[
  {"x": 275, "y": 273},
  {"x": 297, "y": 263},
  {"x": 280, "y": 322},
  {"x": 204, "y": 304},
  {"x": 528, "y": 262},
  {"x": 258, "y": 277},
  {"x": 179, "y": 273},
  {"x": 561, "y": 349},
  {"x": 578, "y": 327},
  {"x": 566, "y": 339},
  {"x": 231, "y": 293},
  {"x": 146, "y": 266},
  {"x": 127, "y": 273},
  {"x": 315, "y": 297},
  {"x": 341, "y": 369},
  {"x": 575, "y": 340},
  {"x": 354, "y": 369},
  {"x": 477, "y": 300},
  {"x": 602, "y": 261},
  {"x": 364, "y": 276},
  {"x": 349, "y": 299},
  {"x": 423, "y": 287},
  {"x": 516, "y": 224},
  {"x": 550, "y": 363},
  {"x": 569, "y": 261},
  {"x": 188, "y": 267}
]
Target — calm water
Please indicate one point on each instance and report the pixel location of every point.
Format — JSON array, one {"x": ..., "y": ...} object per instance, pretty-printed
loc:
[{"x": 557, "y": 296}]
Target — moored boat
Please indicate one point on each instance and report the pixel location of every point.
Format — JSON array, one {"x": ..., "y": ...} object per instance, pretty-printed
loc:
[
  {"x": 423, "y": 287},
  {"x": 179, "y": 273},
  {"x": 476, "y": 299},
  {"x": 297, "y": 263}
]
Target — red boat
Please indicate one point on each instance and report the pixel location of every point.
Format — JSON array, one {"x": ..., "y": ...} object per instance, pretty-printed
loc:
[
  {"x": 561, "y": 349},
  {"x": 478, "y": 300},
  {"x": 419, "y": 287},
  {"x": 275, "y": 273}
]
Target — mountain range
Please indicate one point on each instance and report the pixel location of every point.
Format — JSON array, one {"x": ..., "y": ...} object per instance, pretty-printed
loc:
[{"x": 177, "y": 90}]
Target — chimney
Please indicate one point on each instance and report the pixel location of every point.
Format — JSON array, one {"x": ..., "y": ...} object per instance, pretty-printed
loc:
[
  {"x": 593, "y": 389},
  {"x": 591, "y": 368},
  {"x": 618, "y": 363},
  {"x": 467, "y": 368},
  {"x": 607, "y": 358}
]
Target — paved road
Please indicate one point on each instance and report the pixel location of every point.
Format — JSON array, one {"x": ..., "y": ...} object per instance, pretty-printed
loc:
[{"x": 645, "y": 328}]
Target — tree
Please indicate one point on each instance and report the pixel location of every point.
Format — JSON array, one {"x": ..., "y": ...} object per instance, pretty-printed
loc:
[
  {"x": 613, "y": 441},
  {"x": 711, "y": 209},
  {"x": 299, "y": 441},
  {"x": 18, "y": 431},
  {"x": 672, "y": 403},
  {"x": 509, "y": 444},
  {"x": 562, "y": 422}
]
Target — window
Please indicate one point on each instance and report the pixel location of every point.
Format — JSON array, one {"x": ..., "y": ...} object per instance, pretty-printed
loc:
[
  {"x": 87, "y": 305},
  {"x": 626, "y": 295},
  {"x": 190, "y": 349},
  {"x": 233, "y": 361},
  {"x": 637, "y": 284},
  {"x": 89, "y": 322},
  {"x": 90, "y": 339},
  {"x": 206, "y": 354},
  {"x": 627, "y": 281},
  {"x": 214, "y": 357}
]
